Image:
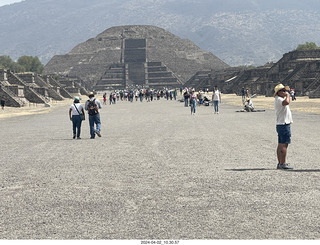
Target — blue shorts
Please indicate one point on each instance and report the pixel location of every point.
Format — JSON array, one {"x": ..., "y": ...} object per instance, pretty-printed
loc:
[{"x": 284, "y": 134}]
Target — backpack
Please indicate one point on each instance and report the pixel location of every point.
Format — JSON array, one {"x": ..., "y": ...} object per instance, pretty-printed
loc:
[{"x": 92, "y": 108}]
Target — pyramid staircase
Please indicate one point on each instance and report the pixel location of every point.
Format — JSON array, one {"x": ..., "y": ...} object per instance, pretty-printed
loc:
[
  {"x": 113, "y": 78},
  {"x": 159, "y": 76}
]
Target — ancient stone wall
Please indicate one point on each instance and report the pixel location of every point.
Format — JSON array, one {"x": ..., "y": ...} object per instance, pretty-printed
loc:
[
  {"x": 299, "y": 70},
  {"x": 21, "y": 88}
]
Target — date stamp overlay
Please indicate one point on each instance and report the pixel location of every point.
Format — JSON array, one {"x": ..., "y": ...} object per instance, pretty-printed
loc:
[{"x": 160, "y": 242}]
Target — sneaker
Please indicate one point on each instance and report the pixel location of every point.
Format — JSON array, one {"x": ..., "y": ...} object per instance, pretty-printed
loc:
[
  {"x": 74, "y": 136},
  {"x": 98, "y": 133},
  {"x": 78, "y": 138},
  {"x": 284, "y": 166}
]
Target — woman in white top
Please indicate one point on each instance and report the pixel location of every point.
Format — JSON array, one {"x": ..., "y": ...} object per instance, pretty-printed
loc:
[
  {"x": 216, "y": 97},
  {"x": 74, "y": 113}
]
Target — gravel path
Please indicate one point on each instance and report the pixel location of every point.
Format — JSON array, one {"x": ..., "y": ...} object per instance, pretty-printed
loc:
[{"x": 158, "y": 173}]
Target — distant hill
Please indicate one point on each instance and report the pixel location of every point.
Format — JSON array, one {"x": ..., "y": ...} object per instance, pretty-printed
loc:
[{"x": 238, "y": 32}]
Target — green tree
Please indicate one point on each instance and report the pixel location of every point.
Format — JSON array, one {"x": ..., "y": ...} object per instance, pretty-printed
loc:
[
  {"x": 31, "y": 64},
  {"x": 307, "y": 46},
  {"x": 7, "y": 63}
]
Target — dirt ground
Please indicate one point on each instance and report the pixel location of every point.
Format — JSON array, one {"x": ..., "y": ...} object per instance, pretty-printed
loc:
[
  {"x": 302, "y": 104},
  {"x": 159, "y": 173}
]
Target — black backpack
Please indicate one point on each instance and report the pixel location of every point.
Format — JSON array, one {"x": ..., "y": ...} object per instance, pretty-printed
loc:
[{"x": 92, "y": 108}]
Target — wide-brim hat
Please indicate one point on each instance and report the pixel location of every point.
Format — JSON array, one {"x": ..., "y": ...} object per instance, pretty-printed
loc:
[
  {"x": 91, "y": 94},
  {"x": 277, "y": 88}
]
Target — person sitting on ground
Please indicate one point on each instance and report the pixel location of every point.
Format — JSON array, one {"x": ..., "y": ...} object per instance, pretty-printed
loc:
[
  {"x": 206, "y": 101},
  {"x": 249, "y": 105}
]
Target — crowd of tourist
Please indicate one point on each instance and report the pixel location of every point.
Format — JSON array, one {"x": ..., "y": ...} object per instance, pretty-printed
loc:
[
  {"x": 139, "y": 95},
  {"x": 190, "y": 97}
]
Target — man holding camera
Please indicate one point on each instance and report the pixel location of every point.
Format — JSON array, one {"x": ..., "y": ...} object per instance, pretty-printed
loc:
[{"x": 284, "y": 119}]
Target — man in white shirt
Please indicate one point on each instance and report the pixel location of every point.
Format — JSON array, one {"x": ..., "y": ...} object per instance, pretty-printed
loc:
[
  {"x": 284, "y": 119},
  {"x": 216, "y": 97}
]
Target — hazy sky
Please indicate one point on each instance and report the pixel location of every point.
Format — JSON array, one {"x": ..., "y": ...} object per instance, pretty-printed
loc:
[{"x": 4, "y": 2}]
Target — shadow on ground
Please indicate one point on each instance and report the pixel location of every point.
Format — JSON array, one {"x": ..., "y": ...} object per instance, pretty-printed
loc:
[{"x": 270, "y": 169}]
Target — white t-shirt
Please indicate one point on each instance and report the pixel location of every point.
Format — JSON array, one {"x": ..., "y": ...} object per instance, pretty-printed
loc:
[
  {"x": 216, "y": 94},
  {"x": 283, "y": 113},
  {"x": 74, "y": 110}
]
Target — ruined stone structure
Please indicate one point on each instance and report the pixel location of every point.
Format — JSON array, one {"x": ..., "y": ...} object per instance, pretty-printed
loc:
[
  {"x": 127, "y": 56},
  {"x": 207, "y": 79},
  {"x": 297, "y": 69},
  {"x": 23, "y": 88}
]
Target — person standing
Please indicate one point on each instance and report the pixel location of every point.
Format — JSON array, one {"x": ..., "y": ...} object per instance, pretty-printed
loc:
[
  {"x": 284, "y": 120},
  {"x": 75, "y": 112},
  {"x": 193, "y": 102},
  {"x": 186, "y": 98},
  {"x": 141, "y": 95},
  {"x": 216, "y": 97},
  {"x": 92, "y": 106},
  {"x": 114, "y": 97},
  {"x": 243, "y": 94},
  {"x": 3, "y": 102},
  {"x": 110, "y": 98},
  {"x": 293, "y": 94},
  {"x": 105, "y": 98}
]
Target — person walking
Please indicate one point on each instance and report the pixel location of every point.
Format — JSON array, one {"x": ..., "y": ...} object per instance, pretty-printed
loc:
[
  {"x": 193, "y": 102},
  {"x": 92, "y": 106},
  {"x": 110, "y": 98},
  {"x": 175, "y": 94},
  {"x": 141, "y": 95},
  {"x": 186, "y": 98},
  {"x": 3, "y": 102},
  {"x": 105, "y": 98},
  {"x": 283, "y": 122},
  {"x": 216, "y": 97},
  {"x": 76, "y": 115}
]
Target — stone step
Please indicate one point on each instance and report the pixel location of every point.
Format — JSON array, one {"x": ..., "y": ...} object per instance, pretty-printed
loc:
[
  {"x": 159, "y": 74},
  {"x": 154, "y": 63},
  {"x": 157, "y": 69},
  {"x": 164, "y": 79}
]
